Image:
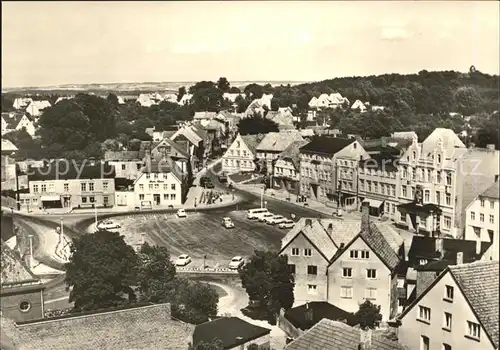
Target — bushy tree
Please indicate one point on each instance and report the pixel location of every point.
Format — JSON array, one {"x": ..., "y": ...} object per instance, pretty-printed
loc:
[
  {"x": 256, "y": 125},
  {"x": 215, "y": 344},
  {"x": 101, "y": 271},
  {"x": 223, "y": 85},
  {"x": 368, "y": 315}
]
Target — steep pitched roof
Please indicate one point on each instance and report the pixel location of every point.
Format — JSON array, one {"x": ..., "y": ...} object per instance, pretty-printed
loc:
[
  {"x": 282, "y": 118},
  {"x": 252, "y": 141},
  {"x": 189, "y": 134},
  {"x": 180, "y": 151},
  {"x": 326, "y": 145},
  {"x": 232, "y": 331},
  {"x": 315, "y": 233},
  {"x": 334, "y": 335},
  {"x": 14, "y": 120},
  {"x": 378, "y": 243},
  {"x": 492, "y": 191},
  {"x": 449, "y": 139},
  {"x": 121, "y": 156},
  {"x": 68, "y": 171},
  {"x": 479, "y": 283},
  {"x": 319, "y": 310},
  {"x": 146, "y": 327},
  {"x": 13, "y": 269},
  {"x": 279, "y": 141},
  {"x": 8, "y": 146},
  {"x": 292, "y": 152},
  {"x": 341, "y": 231},
  {"x": 204, "y": 115}
]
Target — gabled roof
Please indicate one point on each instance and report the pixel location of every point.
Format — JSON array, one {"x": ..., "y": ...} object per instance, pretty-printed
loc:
[
  {"x": 232, "y": 331},
  {"x": 146, "y": 327},
  {"x": 179, "y": 150},
  {"x": 8, "y": 146},
  {"x": 279, "y": 141},
  {"x": 334, "y": 335},
  {"x": 479, "y": 283},
  {"x": 70, "y": 171},
  {"x": 189, "y": 134},
  {"x": 121, "y": 156},
  {"x": 14, "y": 120},
  {"x": 492, "y": 191},
  {"x": 252, "y": 141},
  {"x": 292, "y": 152},
  {"x": 326, "y": 145},
  {"x": 449, "y": 139},
  {"x": 318, "y": 310},
  {"x": 13, "y": 269},
  {"x": 315, "y": 233},
  {"x": 282, "y": 118},
  {"x": 204, "y": 115},
  {"x": 341, "y": 231}
]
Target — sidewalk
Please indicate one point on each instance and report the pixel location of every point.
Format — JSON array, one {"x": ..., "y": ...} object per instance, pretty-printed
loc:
[{"x": 283, "y": 195}]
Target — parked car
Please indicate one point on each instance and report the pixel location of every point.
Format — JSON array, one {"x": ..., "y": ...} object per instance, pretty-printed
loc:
[
  {"x": 209, "y": 184},
  {"x": 266, "y": 216},
  {"x": 236, "y": 263},
  {"x": 253, "y": 214},
  {"x": 183, "y": 260},
  {"x": 276, "y": 219},
  {"x": 181, "y": 213},
  {"x": 108, "y": 225},
  {"x": 287, "y": 224},
  {"x": 227, "y": 222}
]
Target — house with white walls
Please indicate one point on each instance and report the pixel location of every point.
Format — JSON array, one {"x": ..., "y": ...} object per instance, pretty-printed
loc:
[{"x": 358, "y": 105}]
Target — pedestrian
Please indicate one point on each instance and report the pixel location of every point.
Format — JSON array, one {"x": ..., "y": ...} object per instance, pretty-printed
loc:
[{"x": 292, "y": 215}]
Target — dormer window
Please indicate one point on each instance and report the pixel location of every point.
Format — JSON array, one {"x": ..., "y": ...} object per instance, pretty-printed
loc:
[
  {"x": 414, "y": 155},
  {"x": 238, "y": 144},
  {"x": 439, "y": 159}
]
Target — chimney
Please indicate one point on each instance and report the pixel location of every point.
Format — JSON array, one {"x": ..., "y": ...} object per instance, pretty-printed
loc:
[
  {"x": 460, "y": 258},
  {"x": 330, "y": 229},
  {"x": 309, "y": 222},
  {"x": 365, "y": 341},
  {"x": 365, "y": 216},
  {"x": 490, "y": 146},
  {"x": 439, "y": 247}
]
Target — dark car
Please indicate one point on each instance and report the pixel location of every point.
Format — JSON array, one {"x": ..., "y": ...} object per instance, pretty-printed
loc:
[
  {"x": 208, "y": 184},
  {"x": 203, "y": 180}
]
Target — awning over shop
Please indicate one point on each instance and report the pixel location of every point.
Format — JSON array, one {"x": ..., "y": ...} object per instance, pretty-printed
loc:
[
  {"x": 374, "y": 203},
  {"x": 50, "y": 198},
  {"x": 416, "y": 208}
]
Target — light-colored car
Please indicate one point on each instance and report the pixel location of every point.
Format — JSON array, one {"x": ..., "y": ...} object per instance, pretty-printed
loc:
[
  {"x": 183, "y": 260},
  {"x": 227, "y": 222},
  {"x": 287, "y": 224},
  {"x": 181, "y": 213},
  {"x": 253, "y": 214},
  {"x": 264, "y": 217},
  {"x": 108, "y": 225},
  {"x": 276, "y": 219},
  {"x": 236, "y": 263}
]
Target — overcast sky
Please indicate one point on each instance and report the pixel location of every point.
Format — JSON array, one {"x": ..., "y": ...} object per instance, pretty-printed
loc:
[{"x": 47, "y": 43}]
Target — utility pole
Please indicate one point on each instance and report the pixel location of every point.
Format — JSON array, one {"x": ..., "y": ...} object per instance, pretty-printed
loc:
[
  {"x": 95, "y": 213},
  {"x": 31, "y": 250},
  {"x": 262, "y": 196},
  {"x": 62, "y": 229}
]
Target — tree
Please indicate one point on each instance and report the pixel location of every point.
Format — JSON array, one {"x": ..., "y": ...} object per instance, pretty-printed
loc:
[
  {"x": 180, "y": 93},
  {"x": 253, "y": 346},
  {"x": 101, "y": 271},
  {"x": 468, "y": 100},
  {"x": 110, "y": 145},
  {"x": 267, "y": 279},
  {"x": 488, "y": 132},
  {"x": 234, "y": 90},
  {"x": 257, "y": 125},
  {"x": 112, "y": 99},
  {"x": 368, "y": 315},
  {"x": 223, "y": 85},
  {"x": 156, "y": 274},
  {"x": 215, "y": 344}
]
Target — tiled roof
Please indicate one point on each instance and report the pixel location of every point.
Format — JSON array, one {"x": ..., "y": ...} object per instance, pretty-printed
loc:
[
  {"x": 492, "y": 191},
  {"x": 122, "y": 156},
  {"x": 379, "y": 244},
  {"x": 292, "y": 152},
  {"x": 146, "y": 327},
  {"x": 252, "y": 141},
  {"x": 14, "y": 120},
  {"x": 334, "y": 335},
  {"x": 13, "y": 269},
  {"x": 178, "y": 150},
  {"x": 342, "y": 231},
  {"x": 281, "y": 118},
  {"x": 449, "y": 139},
  {"x": 479, "y": 283},
  {"x": 190, "y": 134},
  {"x": 204, "y": 115},
  {"x": 319, "y": 310},
  {"x": 279, "y": 141},
  {"x": 404, "y": 134},
  {"x": 326, "y": 145},
  {"x": 8, "y": 146},
  {"x": 145, "y": 145},
  {"x": 71, "y": 171},
  {"x": 391, "y": 235},
  {"x": 232, "y": 331},
  {"x": 316, "y": 233}
]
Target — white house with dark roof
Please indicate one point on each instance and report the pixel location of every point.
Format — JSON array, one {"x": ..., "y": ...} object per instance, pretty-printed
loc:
[
  {"x": 458, "y": 310},
  {"x": 240, "y": 155},
  {"x": 22, "y": 102},
  {"x": 127, "y": 164},
  {"x": 16, "y": 122},
  {"x": 358, "y": 105}
]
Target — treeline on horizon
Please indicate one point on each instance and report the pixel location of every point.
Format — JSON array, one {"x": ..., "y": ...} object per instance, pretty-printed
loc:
[{"x": 88, "y": 125}]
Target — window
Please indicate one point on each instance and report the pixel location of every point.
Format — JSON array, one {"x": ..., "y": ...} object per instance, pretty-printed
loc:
[
  {"x": 44, "y": 188},
  {"x": 347, "y": 272},
  {"x": 312, "y": 270},
  {"x": 91, "y": 186},
  {"x": 157, "y": 187},
  {"x": 138, "y": 166},
  {"x": 438, "y": 197},
  {"x": 83, "y": 186},
  {"x": 91, "y": 199},
  {"x": 141, "y": 187},
  {"x": 404, "y": 191},
  {"x": 371, "y": 273},
  {"x": 492, "y": 219},
  {"x": 141, "y": 197},
  {"x": 307, "y": 252},
  {"x": 370, "y": 293},
  {"x": 448, "y": 199},
  {"x": 84, "y": 199},
  {"x": 413, "y": 155},
  {"x": 66, "y": 187},
  {"x": 24, "y": 306},
  {"x": 105, "y": 185},
  {"x": 150, "y": 186},
  {"x": 472, "y": 215},
  {"x": 365, "y": 254},
  {"x": 492, "y": 205},
  {"x": 292, "y": 268},
  {"x": 402, "y": 217},
  {"x": 172, "y": 187},
  {"x": 481, "y": 217},
  {"x": 424, "y": 314},
  {"x": 439, "y": 159},
  {"x": 446, "y": 346},
  {"x": 473, "y": 330},
  {"x": 482, "y": 203},
  {"x": 353, "y": 254},
  {"x": 311, "y": 288},
  {"x": 123, "y": 166},
  {"x": 165, "y": 197},
  {"x": 295, "y": 251},
  {"x": 448, "y": 178},
  {"x": 424, "y": 343},
  {"x": 448, "y": 295},
  {"x": 447, "y": 222},
  {"x": 172, "y": 196},
  {"x": 148, "y": 175},
  {"x": 361, "y": 184},
  {"x": 447, "y": 321},
  {"x": 105, "y": 200},
  {"x": 346, "y": 292},
  {"x": 427, "y": 196},
  {"x": 35, "y": 188}
]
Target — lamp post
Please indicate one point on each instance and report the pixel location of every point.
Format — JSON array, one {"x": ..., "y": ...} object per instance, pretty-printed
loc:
[
  {"x": 95, "y": 213},
  {"x": 204, "y": 259},
  {"x": 262, "y": 196},
  {"x": 31, "y": 251}
]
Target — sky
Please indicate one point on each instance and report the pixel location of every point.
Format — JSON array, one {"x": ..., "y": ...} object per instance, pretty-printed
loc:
[{"x": 52, "y": 43}]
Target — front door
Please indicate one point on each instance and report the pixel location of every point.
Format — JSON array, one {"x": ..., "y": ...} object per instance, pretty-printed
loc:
[{"x": 156, "y": 198}]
